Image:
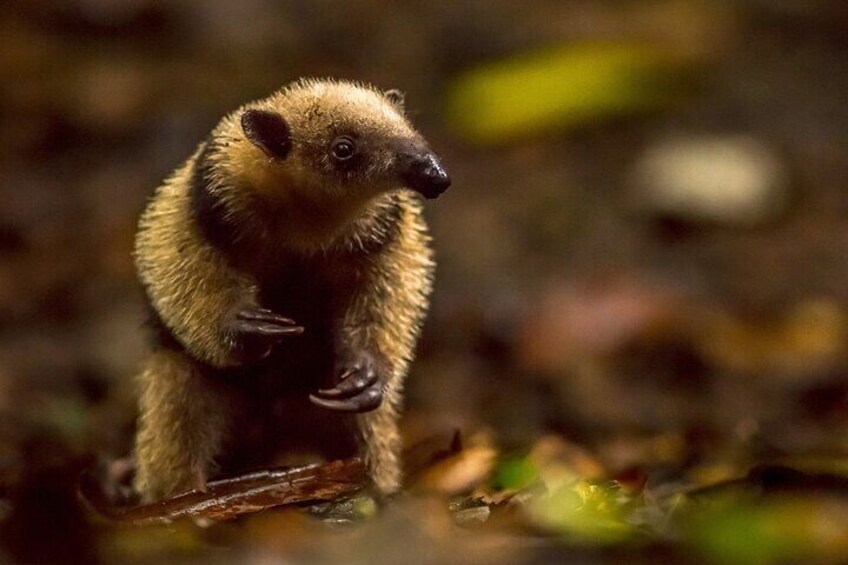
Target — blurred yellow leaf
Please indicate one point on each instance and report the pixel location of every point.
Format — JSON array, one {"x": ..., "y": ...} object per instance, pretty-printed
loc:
[
  {"x": 560, "y": 88},
  {"x": 585, "y": 511}
]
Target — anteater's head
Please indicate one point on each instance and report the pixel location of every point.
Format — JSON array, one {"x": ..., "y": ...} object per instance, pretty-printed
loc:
[{"x": 329, "y": 141}]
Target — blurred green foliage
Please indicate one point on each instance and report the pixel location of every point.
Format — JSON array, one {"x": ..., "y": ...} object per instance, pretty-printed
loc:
[
  {"x": 779, "y": 530},
  {"x": 515, "y": 474}
]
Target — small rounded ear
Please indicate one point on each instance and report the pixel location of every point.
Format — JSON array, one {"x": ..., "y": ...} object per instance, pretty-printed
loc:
[
  {"x": 396, "y": 97},
  {"x": 268, "y": 131}
]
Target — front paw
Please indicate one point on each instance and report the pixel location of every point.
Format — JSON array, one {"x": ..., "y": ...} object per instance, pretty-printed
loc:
[
  {"x": 359, "y": 386},
  {"x": 253, "y": 333}
]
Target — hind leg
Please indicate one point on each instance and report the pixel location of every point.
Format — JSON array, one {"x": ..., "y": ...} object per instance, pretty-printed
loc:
[
  {"x": 183, "y": 418},
  {"x": 382, "y": 445}
]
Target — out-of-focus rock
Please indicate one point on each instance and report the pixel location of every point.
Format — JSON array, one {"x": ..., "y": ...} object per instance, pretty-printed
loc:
[{"x": 727, "y": 180}]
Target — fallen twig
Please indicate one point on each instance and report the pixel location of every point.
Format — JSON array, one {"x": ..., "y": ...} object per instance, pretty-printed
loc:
[{"x": 228, "y": 498}]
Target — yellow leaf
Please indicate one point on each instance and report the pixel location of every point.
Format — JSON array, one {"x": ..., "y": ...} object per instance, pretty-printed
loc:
[{"x": 559, "y": 88}]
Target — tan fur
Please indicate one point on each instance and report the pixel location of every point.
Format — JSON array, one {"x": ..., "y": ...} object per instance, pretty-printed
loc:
[
  {"x": 194, "y": 289},
  {"x": 182, "y": 423},
  {"x": 389, "y": 318},
  {"x": 188, "y": 282}
]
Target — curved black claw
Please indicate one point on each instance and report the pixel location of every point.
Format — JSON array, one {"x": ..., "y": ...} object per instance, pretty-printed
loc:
[
  {"x": 255, "y": 331},
  {"x": 352, "y": 383},
  {"x": 265, "y": 315},
  {"x": 358, "y": 387},
  {"x": 264, "y": 329},
  {"x": 366, "y": 401}
]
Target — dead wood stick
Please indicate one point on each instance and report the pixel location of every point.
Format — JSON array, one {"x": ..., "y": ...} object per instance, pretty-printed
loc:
[{"x": 227, "y": 498}]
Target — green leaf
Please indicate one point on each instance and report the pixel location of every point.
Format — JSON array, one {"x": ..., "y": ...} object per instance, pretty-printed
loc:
[{"x": 515, "y": 474}]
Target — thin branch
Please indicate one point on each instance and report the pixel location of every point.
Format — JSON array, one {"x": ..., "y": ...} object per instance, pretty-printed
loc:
[{"x": 228, "y": 498}]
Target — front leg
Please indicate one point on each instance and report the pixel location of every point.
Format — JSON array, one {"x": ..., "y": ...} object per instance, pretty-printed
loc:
[
  {"x": 368, "y": 384},
  {"x": 375, "y": 339},
  {"x": 210, "y": 307}
]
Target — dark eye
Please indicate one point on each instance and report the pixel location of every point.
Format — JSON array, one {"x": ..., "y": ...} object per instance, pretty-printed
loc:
[{"x": 343, "y": 148}]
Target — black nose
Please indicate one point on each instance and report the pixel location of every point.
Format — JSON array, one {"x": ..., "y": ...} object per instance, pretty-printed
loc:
[{"x": 424, "y": 174}]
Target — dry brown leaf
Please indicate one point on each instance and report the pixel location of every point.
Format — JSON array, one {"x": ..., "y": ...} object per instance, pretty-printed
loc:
[{"x": 461, "y": 471}]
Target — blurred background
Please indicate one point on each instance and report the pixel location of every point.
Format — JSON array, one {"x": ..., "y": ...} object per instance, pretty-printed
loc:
[{"x": 643, "y": 254}]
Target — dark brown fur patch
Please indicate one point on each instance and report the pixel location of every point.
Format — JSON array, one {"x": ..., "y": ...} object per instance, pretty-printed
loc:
[
  {"x": 161, "y": 336},
  {"x": 208, "y": 208}
]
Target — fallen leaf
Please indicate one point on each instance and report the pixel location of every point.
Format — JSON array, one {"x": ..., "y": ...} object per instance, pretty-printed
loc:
[{"x": 461, "y": 471}]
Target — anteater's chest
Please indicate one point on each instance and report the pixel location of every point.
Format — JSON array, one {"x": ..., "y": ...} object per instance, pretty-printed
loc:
[
  {"x": 315, "y": 294},
  {"x": 274, "y": 415}
]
